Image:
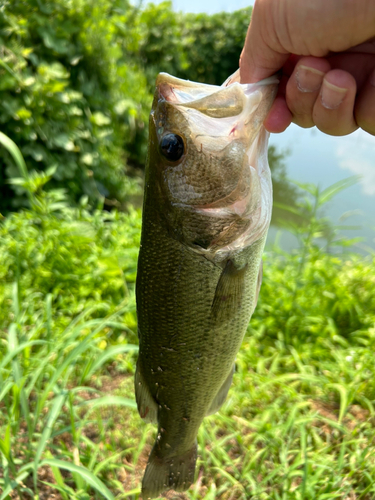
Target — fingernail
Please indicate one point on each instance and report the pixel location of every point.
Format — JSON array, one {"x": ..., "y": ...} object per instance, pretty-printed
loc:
[
  {"x": 308, "y": 79},
  {"x": 332, "y": 96}
]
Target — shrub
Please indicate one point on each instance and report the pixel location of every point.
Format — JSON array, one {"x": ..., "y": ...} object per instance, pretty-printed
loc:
[{"x": 68, "y": 99}]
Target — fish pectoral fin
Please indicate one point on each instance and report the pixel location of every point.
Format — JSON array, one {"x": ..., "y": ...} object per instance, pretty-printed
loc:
[
  {"x": 221, "y": 395},
  {"x": 147, "y": 406},
  {"x": 163, "y": 473},
  {"x": 229, "y": 292}
]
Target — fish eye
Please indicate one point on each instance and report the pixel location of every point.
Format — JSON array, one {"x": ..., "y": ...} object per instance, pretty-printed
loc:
[{"x": 172, "y": 147}]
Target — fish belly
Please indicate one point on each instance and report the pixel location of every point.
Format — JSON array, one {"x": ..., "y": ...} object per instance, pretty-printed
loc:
[{"x": 192, "y": 316}]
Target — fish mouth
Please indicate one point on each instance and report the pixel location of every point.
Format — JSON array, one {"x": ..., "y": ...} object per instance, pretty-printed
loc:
[
  {"x": 229, "y": 112},
  {"x": 178, "y": 91}
]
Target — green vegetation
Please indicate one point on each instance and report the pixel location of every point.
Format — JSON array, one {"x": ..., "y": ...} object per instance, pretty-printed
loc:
[
  {"x": 67, "y": 97},
  {"x": 299, "y": 420},
  {"x": 76, "y": 86},
  {"x": 76, "y": 83}
]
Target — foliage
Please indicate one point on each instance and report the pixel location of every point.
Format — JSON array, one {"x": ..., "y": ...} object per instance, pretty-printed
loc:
[
  {"x": 59, "y": 254},
  {"x": 199, "y": 47},
  {"x": 286, "y": 195},
  {"x": 214, "y": 44},
  {"x": 66, "y": 293},
  {"x": 299, "y": 420},
  {"x": 67, "y": 98},
  {"x": 158, "y": 41},
  {"x": 76, "y": 87}
]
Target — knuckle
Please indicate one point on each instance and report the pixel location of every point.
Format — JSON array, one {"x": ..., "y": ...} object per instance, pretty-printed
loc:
[
  {"x": 336, "y": 129},
  {"x": 365, "y": 119},
  {"x": 303, "y": 120}
]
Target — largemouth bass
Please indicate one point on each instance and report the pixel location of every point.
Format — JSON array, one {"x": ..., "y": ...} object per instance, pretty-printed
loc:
[{"x": 207, "y": 209}]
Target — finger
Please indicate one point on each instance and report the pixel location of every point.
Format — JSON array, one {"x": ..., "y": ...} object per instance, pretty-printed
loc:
[
  {"x": 358, "y": 65},
  {"x": 258, "y": 60},
  {"x": 253, "y": 64},
  {"x": 334, "y": 107},
  {"x": 303, "y": 89},
  {"x": 279, "y": 116},
  {"x": 365, "y": 106}
]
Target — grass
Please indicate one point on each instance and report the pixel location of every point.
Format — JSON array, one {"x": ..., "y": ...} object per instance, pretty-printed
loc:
[{"x": 299, "y": 420}]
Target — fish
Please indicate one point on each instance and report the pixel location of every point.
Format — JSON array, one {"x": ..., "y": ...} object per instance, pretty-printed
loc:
[{"x": 206, "y": 212}]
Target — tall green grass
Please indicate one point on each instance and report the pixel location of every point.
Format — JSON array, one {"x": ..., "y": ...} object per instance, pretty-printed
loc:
[{"x": 299, "y": 419}]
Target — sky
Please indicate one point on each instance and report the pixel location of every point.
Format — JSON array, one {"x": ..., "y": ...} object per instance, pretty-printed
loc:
[
  {"x": 208, "y": 6},
  {"x": 319, "y": 158}
]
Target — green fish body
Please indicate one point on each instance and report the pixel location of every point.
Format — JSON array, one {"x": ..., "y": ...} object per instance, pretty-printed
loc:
[{"x": 207, "y": 208}]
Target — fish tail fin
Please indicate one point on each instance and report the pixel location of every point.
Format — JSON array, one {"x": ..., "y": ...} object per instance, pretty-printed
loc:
[{"x": 176, "y": 473}]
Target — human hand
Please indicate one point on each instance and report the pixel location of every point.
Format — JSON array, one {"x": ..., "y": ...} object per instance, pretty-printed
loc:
[{"x": 326, "y": 51}]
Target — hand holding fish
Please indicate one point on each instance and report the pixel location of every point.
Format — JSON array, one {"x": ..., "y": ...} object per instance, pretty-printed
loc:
[{"x": 326, "y": 50}]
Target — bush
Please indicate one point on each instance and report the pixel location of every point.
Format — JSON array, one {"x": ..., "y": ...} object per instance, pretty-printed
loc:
[
  {"x": 198, "y": 47},
  {"x": 76, "y": 87},
  {"x": 81, "y": 259},
  {"x": 68, "y": 99}
]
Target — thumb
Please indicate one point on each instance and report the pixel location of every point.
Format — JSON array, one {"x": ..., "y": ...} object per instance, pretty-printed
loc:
[{"x": 258, "y": 59}]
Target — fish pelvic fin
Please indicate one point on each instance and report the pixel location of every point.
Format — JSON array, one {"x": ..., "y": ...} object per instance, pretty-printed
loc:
[
  {"x": 147, "y": 407},
  {"x": 172, "y": 473}
]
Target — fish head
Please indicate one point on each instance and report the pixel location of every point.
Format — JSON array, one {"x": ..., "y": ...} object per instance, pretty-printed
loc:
[{"x": 208, "y": 161}]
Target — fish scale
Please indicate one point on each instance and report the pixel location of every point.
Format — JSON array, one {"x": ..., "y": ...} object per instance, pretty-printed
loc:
[
  {"x": 177, "y": 333},
  {"x": 198, "y": 276}
]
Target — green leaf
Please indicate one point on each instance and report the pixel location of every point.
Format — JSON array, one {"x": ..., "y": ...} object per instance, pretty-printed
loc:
[
  {"x": 100, "y": 119},
  {"x": 110, "y": 401},
  {"x": 293, "y": 210},
  {"x": 53, "y": 414},
  {"x": 344, "y": 399},
  {"x": 15, "y": 153},
  {"x": 110, "y": 353},
  {"x": 86, "y": 475},
  {"x": 5, "y": 443},
  {"x": 331, "y": 191}
]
